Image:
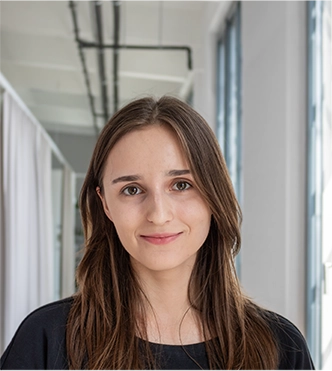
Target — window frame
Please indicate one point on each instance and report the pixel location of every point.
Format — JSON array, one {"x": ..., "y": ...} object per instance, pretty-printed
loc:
[
  {"x": 316, "y": 281},
  {"x": 229, "y": 99}
]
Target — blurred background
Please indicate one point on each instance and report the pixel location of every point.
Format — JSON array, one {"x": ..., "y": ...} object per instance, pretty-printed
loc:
[{"x": 258, "y": 72}]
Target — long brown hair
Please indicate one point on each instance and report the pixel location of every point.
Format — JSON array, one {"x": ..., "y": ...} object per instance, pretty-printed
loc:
[{"x": 103, "y": 330}]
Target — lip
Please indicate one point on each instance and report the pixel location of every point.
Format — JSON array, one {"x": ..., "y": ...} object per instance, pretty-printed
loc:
[{"x": 161, "y": 238}]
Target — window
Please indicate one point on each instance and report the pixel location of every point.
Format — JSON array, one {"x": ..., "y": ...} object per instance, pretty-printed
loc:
[
  {"x": 229, "y": 96},
  {"x": 229, "y": 99},
  {"x": 319, "y": 197}
]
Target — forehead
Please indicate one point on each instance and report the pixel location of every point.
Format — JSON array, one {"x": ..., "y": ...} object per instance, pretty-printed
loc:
[{"x": 147, "y": 148}]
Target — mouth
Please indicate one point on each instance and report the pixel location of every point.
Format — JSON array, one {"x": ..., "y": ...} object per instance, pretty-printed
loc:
[{"x": 161, "y": 238}]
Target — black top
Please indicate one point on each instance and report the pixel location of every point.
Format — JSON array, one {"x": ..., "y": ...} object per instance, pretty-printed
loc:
[{"x": 39, "y": 343}]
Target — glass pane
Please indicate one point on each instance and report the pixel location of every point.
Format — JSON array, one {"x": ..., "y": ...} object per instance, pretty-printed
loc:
[
  {"x": 229, "y": 101},
  {"x": 232, "y": 118},
  {"x": 326, "y": 157},
  {"x": 221, "y": 95},
  {"x": 232, "y": 112},
  {"x": 320, "y": 185}
]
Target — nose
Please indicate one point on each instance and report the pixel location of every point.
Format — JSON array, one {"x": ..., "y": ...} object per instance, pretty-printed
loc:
[{"x": 159, "y": 209}]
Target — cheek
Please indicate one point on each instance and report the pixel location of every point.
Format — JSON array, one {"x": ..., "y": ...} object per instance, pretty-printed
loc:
[
  {"x": 205, "y": 219},
  {"x": 198, "y": 217},
  {"x": 124, "y": 232},
  {"x": 198, "y": 211},
  {"x": 125, "y": 221},
  {"x": 204, "y": 227}
]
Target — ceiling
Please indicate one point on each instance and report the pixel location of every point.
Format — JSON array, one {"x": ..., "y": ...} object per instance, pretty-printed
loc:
[{"x": 41, "y": 59}]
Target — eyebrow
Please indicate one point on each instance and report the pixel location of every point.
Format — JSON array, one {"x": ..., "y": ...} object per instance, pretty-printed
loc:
[
  {"x": 126, "y": 178},
  {"x": 178, "y": 172},
  {"x": 134, "y": 178}
]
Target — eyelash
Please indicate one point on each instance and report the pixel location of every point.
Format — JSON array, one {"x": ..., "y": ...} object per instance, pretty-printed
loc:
[{"x": 125, "y": 190}]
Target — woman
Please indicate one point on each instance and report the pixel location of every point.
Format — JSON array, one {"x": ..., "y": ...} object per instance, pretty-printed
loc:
[{"x": 157, "y": 287}]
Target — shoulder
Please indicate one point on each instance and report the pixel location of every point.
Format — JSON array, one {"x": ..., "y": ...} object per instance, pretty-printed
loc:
[
  {"x": 48, "y": 319},
  {"x": 39, "y": 342},
  {"x": 51, "y": 314},
  {"x": 292, "y": 346}
]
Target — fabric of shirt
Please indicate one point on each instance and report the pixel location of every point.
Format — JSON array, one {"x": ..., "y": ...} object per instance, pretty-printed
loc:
[{"x": 40, "y": 343}]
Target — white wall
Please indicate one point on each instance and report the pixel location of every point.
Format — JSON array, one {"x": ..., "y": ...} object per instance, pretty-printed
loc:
[
  {"x": 274, "y": 155},
  {"x": 274, "y": 148}
]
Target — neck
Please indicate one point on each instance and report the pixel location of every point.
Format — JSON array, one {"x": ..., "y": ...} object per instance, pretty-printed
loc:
[{"x": 169, "y": 317}]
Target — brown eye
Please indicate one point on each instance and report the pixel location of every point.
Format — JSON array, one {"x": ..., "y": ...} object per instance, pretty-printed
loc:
[
  {"x": 182, "y": 186},
  {"x": 131, "y": 191}
]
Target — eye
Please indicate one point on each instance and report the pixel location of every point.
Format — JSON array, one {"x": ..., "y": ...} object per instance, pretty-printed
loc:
[
  {"x": 181, "y": 186},
  {"x": 131, "y": 191}
]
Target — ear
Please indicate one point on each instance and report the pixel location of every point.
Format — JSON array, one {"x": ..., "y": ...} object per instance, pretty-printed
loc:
[{"x": 103, "y": 200}]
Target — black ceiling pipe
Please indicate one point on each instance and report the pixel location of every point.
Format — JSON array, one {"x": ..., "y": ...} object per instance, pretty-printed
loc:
[
  {"x": 101, "y": 59},
  {"x": 88, "y": 44},
  {"x": 72, "y": 6},
  {"x": 116, "y": 46}
]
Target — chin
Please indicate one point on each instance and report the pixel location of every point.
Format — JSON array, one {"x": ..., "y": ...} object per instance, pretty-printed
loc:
[{"x": 164, "y": 264}]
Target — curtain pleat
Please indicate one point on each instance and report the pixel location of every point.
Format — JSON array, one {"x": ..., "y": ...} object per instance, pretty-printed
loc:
[
  {"x": 27, "y": 259},
  {"x": 68, "y": 252}
]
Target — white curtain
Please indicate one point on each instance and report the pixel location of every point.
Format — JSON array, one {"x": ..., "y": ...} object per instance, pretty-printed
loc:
[
  {"x": 27, "y": 251},
  {"x": 68, "y": 241}
]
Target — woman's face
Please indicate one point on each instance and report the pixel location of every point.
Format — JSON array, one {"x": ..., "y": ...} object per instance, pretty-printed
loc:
[{"x": 151, "y": 197}]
